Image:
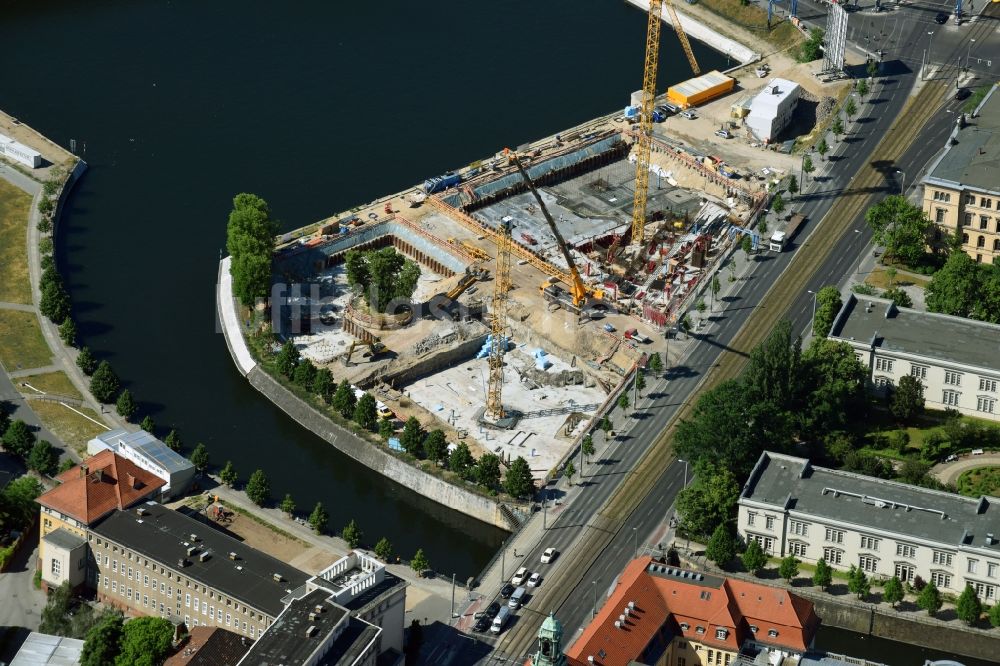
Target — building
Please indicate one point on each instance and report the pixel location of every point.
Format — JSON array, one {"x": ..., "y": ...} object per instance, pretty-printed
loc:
[
  {"x": 150, "y": 454},
  {"x": 20, "y": 153},
  {"x": 962, "y": 186},
  {"x": 663, "y": 615},
  {"x": 210, "y": 646},
  {"x": 48, "y": 650},
  {"x": 700, "y": 89},
  {"x": 954, "y": 358},
  {"x": 772, "y": 109},
  {"x": 886, "y": 528}
]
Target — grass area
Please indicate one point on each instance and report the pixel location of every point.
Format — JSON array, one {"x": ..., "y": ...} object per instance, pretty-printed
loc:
[
  {"x": 878, "y": 278},
  {"x": 257, "y": 519},
  {"x": 50, "y": 382},
  {"x": 782, "y": 36},
  {"x": 67, "y": 425},
  {"x": 15, "y": 286},
  {"x": 977, "y": 96},
  {"x": 932, "y": 420},
  {"x": 21, "y": 342},
  {"x": 979, "y": 481}
]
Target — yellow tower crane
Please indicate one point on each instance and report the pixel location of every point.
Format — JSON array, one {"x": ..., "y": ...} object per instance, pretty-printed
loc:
[
  {"x": 682, "y": 36},
  {"x": 498, "y": 323}
]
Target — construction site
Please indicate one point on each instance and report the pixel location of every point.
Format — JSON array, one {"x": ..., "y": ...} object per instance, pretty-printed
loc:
[{"x": 549, "y": 271}]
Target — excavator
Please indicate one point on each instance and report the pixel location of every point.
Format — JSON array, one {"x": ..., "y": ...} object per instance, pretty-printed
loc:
[{"x": 375, "y": 348}]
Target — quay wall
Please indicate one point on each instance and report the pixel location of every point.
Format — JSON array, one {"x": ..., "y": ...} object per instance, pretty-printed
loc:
[{"x": 697, "y": 30}]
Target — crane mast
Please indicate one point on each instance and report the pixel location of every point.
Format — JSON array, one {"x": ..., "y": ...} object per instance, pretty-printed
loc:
[
  {"x": 498, "y": 323},
  {"x": 682, "y": 36},
  {"x": 644, "y": 145}
]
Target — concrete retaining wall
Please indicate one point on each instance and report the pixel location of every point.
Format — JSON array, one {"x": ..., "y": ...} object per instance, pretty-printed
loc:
[
  {"x": 436, "y": 361},
  {"x": 697, "y": 30}
]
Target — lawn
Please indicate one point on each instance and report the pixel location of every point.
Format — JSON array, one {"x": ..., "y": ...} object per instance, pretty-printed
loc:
[
  {"x": 21, "y": 343},
  {"x": 14, "y": 206},
  {"x": 883, "y": 422},
  {"x": 979, "y": 481},
  {"x": 50, "y": 382},
  {"x": 72, "y": 428},
  {"x": 878, "y": 278}
]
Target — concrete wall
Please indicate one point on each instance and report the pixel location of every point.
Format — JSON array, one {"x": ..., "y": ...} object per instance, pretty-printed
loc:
[{"x": 435, "y": 362}]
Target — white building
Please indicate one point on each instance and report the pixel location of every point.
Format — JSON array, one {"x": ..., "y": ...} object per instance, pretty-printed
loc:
[
  {"x": 771, "y": 110},
  {"x": 150, "y": 454},
  {"x": 884, "y": 527},
  {"x": 18, "y": 152},
  {"x": 955, "y": 358}
]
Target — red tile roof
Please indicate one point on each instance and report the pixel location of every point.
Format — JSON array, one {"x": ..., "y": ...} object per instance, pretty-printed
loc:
[
  {"x": 210, "y": 646},
  {"x": 667, "y": 605},
  {"x": 100, "y": 485}
]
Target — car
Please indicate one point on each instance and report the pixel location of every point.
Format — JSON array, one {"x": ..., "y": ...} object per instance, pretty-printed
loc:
[
  {"x": 951, "y": 458},
  {"x": 725, "y": 134},
  {"x": 962, "y": 93},
  {"x": 977, "y": 452},
  {"x": 482, "y": 625},
  {"x": 506, "y": 591},
  {"x": 493, "y": 609},
  {"x": 690, "y": 115},
  {"x": 940, "y": 18},
  {"x": 609, "y": 328},
  {"x": 520, "y": 576},
  {"x": 659, "y": 115},
  {"x": 549, "y": 555},
  {"x": 535, "y": 580}
]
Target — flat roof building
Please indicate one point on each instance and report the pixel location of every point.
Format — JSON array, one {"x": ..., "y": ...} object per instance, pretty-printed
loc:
[
  {"x": 772, "y": 109},
  {"x": 150, "y": 454},
  {"x": 48, "y": 650}
]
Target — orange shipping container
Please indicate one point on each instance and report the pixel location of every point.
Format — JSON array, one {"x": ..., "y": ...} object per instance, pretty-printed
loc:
[{"x": 700, "y": 89}]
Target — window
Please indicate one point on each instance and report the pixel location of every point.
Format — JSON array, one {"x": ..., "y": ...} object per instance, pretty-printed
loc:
[
  {"x": 991, "y": 569},
  {"x": 883, "y": 364},
  {"x": 834, "y": 536},
  {"x": 965, "y": 239},
  {"x": 904, "y": 550},
  {"x": 195, "y": 606},
  {"x": 942, "y": 558},
  {"x": 918, "y": 371},
  {"x": 105, "y": 560},
  {"x": 984, "y": 591},
  {"x": 939, "y": 215},
  {"x": 773, "y": 633},
  {"x": 187, "y": 600},
  {"x": 967, "y": 220},
  {"x": 145, "y": 599},
  {"x": 996, "y": 241},
  {"x": 981, "y": 241},
  {"x": 751, "y": 517},
  {"x": 106, "y": 580},
  {"x": 950, "y": 398},
  {"x": 211, "y": 611},
  {"x": 114, "y": 586},
  {"x": 219, "y": 615},
  {"x": 941, "y": 579},
  {"x": 766, "y": 543},
  {"x": 685, "y": 626},
  {"x": 130, "y": 593},
  {"x": 988, "y": 385},
  {"x": 721, "y": 634},
  {"x": 984, "y": 222},
  {"x": 699, "y": 629},
  {"x": 229, "y": 619},
  {"x": 769, "y": 522},
  {"x": 881, "y": 381},
  {"x": 973, "y": 566},
  {"x": 870, "y": 543},
  {"x": 953, "y": 378},
  {"x": 56, "y": 567},
  {"x": 130, "y": 573},
  {"x": 797, "y": 548},
  {"x": 798, "y": 527},
  {"x": 868, "y": 563},
  {"x": 681, "y": 661},
  {"x": 114, "y": 566},
  {"x": 904, "y": 572},
  {"x": 985, "y": 404},
  {"x": 145, "y": 581},
  {"x": 985, "y": 203},
  {"x": 942, "y": 196},
  {"x": 833, "y": 556}
]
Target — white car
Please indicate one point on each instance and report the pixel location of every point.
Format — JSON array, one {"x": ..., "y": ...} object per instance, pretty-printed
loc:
[
  {"x": 535, "y": 580},
  {"x": 549, "y": 555},
  {"x": 519, "y": 576},
  {"x": 690, "y": 115}
]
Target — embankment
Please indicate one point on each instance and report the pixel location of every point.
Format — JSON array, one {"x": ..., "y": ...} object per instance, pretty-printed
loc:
[{"x": 703, "y": 33}]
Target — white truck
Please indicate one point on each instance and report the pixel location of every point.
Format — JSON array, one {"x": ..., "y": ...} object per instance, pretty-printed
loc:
[{"x": 780, "y": 238}]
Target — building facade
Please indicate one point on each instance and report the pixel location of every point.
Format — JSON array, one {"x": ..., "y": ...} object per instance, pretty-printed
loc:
[
  {"x": 885, "y": 528},
  {"x": 772, "y": 109},
  {"x": 954, "y": 358},
  {"x": 962, "y": 186}
]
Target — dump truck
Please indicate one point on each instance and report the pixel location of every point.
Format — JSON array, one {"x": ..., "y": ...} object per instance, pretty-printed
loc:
[{"x": 779, "y": 239}]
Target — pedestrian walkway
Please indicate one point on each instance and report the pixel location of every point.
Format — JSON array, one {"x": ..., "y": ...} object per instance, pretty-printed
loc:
[
  {"x": 45, "y": 369},
  {"x": 20, "y": 307}
]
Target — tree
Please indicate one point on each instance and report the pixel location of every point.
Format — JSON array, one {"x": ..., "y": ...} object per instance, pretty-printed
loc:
[
  {"x": 995, "y": 615},
  {"x": 862, "y": 87},
  {"x": 955, "y": 288},
  {"x": 250, "y": 241},
  {"x": 344, "y": 400},
  {"x": 835, "y": 387},
  {"x": 789, "y": 568},
  {"x": 287, "y": 359},
  {"x": 519, "y": 482},
  {"x": 56, "y": 613},
  {"x": 43, "y": 458},
  {"x": 710, "y": 500},
  {"x": 383, "y": 549},
  {"x": 899, "y": 297},
  {"x": 587, "y": 447},
  {"x": 851, "y": 108},
  {"x": 907, "y": 399},
  {"x": 18, "y": 439},
  {"x": 828, "y": 304},
  {"x": 812, "y": 48},
  {"x": 258, "y": 488},
  {"x": 86, "y": 362},
  {"x": 4, "y": 419},
  {"x": 228, "y": 474},
  {"x": 304, "y": 374},
  {"x": 67, "y": 332},
  {"x": 892, "y": 592},
  {"x": 101, "y": 645},
  {"x": 323, "y": 383},
  {"x": 822, "y": 147},
  {"x": 147, "y": 424},
  {"x": 66, "y": 465},
  {"x": 55, "y": 303},
  {"x": 623, "y": 402},
  {"x": 721, "y": 548},
  {"x": 487, "y": 471},
  {"x": 18, "y": 499},
  {"x": 381, "y": 276},
  {"x": 318, "y": 518},
  {"x": 640, "y": 381},
  {"x": 413, "y": 436},
  {"x": 436, "y": 446},
  {"x": 754, "y": 558},
  {"x": 352, "y": 534},
  {"x": 104, "y": 383},
  {"x": 419, "y": 562},
  {"x": 173, "y": 440},
  {"x": 807, "y": 165},
  {"x": 569, "y": 470},
  {"x": 778, "y": 204},
  {"x": 199, "y": 457},
  {"x": 929, "y": 599},
  {"x": 45, "y": 206},
  {"x": 145, "y": 641},
  {"x": 606, "y": 426},
  {"x": 901, "y": 227},
  {"x": 365, "y": 413},
  {"x": 858, "y": 583},
  {"x": 461, "y": 461},
  {"x": 823, "y": 575},
  {"x": 386, "y": 428},
  {"x": 872, "y": 68},
  {"x": 126, "y": 405},
  {"x": 968, "y": 607},
  {"x": 288, "y": 505},
  {"x": 837, "y": 127},
  {"x": 793, "y": 186},
  {"x": 656, "y": 363},
  {"x": 747, "y": 246},
  {"x": 716, "y": 287}
]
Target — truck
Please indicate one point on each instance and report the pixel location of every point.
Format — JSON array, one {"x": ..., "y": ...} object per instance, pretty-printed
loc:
[
  {"x": 780, "y": 238},
  {"x": 441, "y": 183}
]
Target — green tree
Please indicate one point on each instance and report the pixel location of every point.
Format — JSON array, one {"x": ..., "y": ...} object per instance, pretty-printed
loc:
[
  {"x": 258, "y": 488},
  {"x": 487, "y": 471},
  {"x": 365, "y": 413},
  {"x": 173, "y": 440},
  {"x": 807, "y": 166},
  {"x": 412, "y": 439},
  {"x": 199, "y": 457},
  {"x": 929, "y": 599},
  {"x": 793, "y": 186},
  {"x": 789, "y": 568},
  {"x": 747, "y": 246},
  {"x": 435, "y": 446},
  {"x": 323, "y": 383},
  {"x": 835, "y": 387},
  {"x": 43, "y": 458},
  {"x": 899, "y": 297},
  {"x": 858, "y": 583},
  {"x": 18, "y": 499},
  {"x": 126, "y": 405},
  {"x": 890, "y": 275},
  {"x": 812, "y": 48},
  {"x": 66, "y": 465},
  {"x": 56, "y": 615},
  {"x": 287, "y": 359},
  {"x": 101, "y": 645},
  {"x": 228, "y": 474},
  {"x": 86, "y": 362},
  {"x": 710, "y": 500},
  {"x": 383, "y": 549},
  {"x": 862, "y": 87},
  {"x": 18, "y": 438},
  {"x": 851, "y": 108},
  {"x": 145, "y": 641},
  {"x": 656, "y": 363},
  {"x": 606, "y": 425},
  {"x": 587, "y": 447},
  {"x": 901, "y": 227},
  {"x": 872, "y": 68},
  {"x": 721, "y": 548},
  {"x": 754, "y": 558},
  {"x": 104, "y": 383},
  {"x": 250, "y": 241},
  {"x": 822, "y": 147},
  {"x": 518, "y": 482},
  {"x": 45, "y": 206},
  {"x": 778, "y": 204},
  {"x": 892, "y": 592},
  {"x": 837, "y": 127},
  {"x": 460, "y": 461},
  {"x": 907, "y": 401},
  {"x": 55, "y": 303},
  {"x": 995, "y": 615},
  {"x": 305, "y": 374},
  {"x": 352, "y": 534},
  {"x": 823, "y": 575},
  {"x": 344, "y": 400},
  {"x": 968, "y": 607},
  {"x": 147, "y": 424},
  {"x": 419, "y": 563},
  {"x": 288, "y": 505},
  {"x": 381, "y": 276},
  {"x": 828, "y": 304},
  {"x": 67, "y": 332},
  {"x": 623, "y": 402},
  {"x": 956, "y": 288},
  {"x": 386, "y": 428},
  {"x": 715, "y": 287},
  {"x": 640, "y": 381},
  {"x": 569, "y": 470},
  {"x": 318, "y": 518}
]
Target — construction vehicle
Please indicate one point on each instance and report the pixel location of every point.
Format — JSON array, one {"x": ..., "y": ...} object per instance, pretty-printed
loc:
[
  {"x": 472, "y": 274},
  {"x": 375, "y": 349},
  {"x": 477, "y": 252}
]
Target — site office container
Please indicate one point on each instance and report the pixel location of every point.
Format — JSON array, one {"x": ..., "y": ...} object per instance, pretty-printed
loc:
[{"x": 700, "y": 89}]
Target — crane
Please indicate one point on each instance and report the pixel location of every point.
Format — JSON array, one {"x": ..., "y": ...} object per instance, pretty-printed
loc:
[
  {"x": 498, "y": 322},
  {"x": 682, "y": 36}
]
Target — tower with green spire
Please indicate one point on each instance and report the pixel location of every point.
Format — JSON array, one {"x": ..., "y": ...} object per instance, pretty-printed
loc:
[{"x": 550, "y": 650}]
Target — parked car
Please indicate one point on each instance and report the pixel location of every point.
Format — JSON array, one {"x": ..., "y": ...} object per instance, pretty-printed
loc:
[
  {"x": 517, "y": 599},
  {"x": 609, "y": 328},
  {"x": 690, "y": 115},
  {"x": 951, "y": 458},
  {"x": 549, "y": 555},
  {"x": 725, "y": 134},
  {"x": 493, "y": 609},
  {"x": 482, "y": 624},
  {"x": 535, "y": 580},
  {"x": 520, "y": 576},
  {"x": 659, "y": 115},
  {"x": 506, "y": 591},
  {"x": 962, "y": 93},
  {"x": 940, "y": 18}
]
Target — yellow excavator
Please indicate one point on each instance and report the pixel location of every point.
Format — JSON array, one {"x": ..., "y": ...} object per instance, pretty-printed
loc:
[{"x": 375, "y": 348}]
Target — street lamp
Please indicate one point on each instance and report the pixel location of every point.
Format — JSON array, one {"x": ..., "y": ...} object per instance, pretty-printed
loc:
[
  {"x": 685, "y": 472},
  {"x": 927, "y": 55},
  {"x": 968, "y": 52},
  {"x": 902, "y": 182},
  {"x": 812, "y": 327},
  {"x": 635, "y": 539},
  {"x": 594, "y": 583},
  {"x": 860, "y": 258}
]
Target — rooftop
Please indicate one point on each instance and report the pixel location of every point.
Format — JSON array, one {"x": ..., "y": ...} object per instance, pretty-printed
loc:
[
  {"x": 210, "y": 646},
  {"x": 165, "y": 536},
  {"x": 98, "y": 486},
  {"x": 925, "y": 334},
  {"x": 299, "y": 632},
  {"x": 773, "y": 94},
  {"x": 46, "y": 650},
  {"x": 148, "y": 446},
  {"x": 356, "y": 580},
  {"x": 65, "y": 539},
  {"x": 972, "y": 155},
  {"x": 882, "y": 506},
  {"x": 653, "y": 603}
]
